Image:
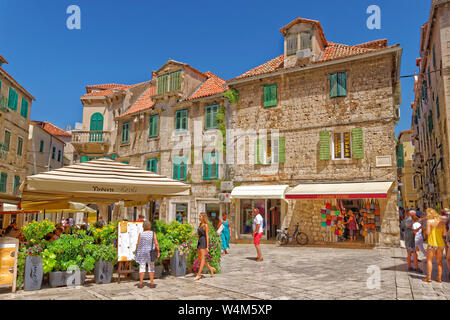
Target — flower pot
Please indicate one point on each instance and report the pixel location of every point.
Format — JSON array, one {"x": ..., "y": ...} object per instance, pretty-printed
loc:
[
  {"x": 57, "y": 279},
  {"x": 34, "y": 273},
  {"x": 178, "y": 264},
  {"x": 103, "y": 272},
  {"x": 75, "y": 278}
]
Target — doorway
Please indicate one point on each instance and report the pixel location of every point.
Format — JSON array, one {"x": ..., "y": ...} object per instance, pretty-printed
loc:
[{"x": 212, "y": 210}]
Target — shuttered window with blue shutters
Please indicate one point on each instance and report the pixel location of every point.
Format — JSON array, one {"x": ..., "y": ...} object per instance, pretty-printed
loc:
[
  {"x": 12, "y": 99},
  {"x": 24, "y": 108},
  {"x": 210, "y": 166},
  {"x": 152, "y": 164},
  {"x": 338, "y": 84},
  {"x": 3, "y": 182},
  {"x": 153, "y": 130},
  {"x": 179, "y": 168}
]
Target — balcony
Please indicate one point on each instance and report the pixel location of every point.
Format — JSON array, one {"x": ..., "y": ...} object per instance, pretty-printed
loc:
[{"x": 91, "y": 141}]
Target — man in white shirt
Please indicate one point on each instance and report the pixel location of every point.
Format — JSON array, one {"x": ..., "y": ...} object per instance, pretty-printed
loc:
[{"x": 258, "y": 230}]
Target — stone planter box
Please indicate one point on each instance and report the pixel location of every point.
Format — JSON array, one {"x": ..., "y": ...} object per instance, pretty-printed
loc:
[
  {"x": 34, "y": 273},
  {"x": 61, "y": 278},
  {"x": 103, "y": 272},
  {"x": 178, "y": 264}
]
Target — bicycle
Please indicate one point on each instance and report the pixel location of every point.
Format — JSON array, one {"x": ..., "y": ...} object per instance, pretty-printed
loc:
[{"x": 283, "y": 236}]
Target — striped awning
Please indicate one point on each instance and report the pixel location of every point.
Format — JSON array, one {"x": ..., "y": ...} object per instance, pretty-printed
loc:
[
  {"x": 99, "y": 181},
  {"x": 347, "y": 190}
]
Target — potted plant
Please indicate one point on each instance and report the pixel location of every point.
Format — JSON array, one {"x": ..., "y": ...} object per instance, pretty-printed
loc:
[
  {"x": 165, "y": 249},
  {"x": 178, "y": 261},
  {"x": 105, "y": 256}
]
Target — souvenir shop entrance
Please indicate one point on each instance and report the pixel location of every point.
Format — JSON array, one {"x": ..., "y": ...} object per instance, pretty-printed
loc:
[
  {"x": 344, "y": 212},
  {"x": 270, "y": 209}
]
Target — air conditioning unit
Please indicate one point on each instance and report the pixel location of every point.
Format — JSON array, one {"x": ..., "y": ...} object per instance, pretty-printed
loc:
[
  {"x": 305, "y": 53},
  {"x": 224, "y": 197}
]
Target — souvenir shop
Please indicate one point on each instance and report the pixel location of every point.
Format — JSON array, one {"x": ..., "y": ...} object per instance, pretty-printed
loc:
[
  {"x": 269, "y": 200},
  {"x": 335, "y": 203}
]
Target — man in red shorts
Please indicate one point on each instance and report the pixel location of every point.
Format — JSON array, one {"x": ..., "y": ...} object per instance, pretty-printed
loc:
[{"x": 257, "y": 233}]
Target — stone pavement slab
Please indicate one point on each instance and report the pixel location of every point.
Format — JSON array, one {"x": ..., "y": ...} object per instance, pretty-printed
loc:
[{"x": 286, "y": 273}]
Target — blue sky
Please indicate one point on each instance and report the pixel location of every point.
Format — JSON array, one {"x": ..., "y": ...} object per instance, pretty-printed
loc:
[{"x": 123, "y": 41}]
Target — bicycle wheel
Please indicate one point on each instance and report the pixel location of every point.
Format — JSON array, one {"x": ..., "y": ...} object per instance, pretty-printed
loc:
[
  {"x": 301, "y": 238},
  {"x": 279, "y": 239}
]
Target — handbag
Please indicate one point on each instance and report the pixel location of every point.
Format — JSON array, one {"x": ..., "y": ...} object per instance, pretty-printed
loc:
[
  {"x": 153, "y": 252},
  {"x": 219, "y": 231}
]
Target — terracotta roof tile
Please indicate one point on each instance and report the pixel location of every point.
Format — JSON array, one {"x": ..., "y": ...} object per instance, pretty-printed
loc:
[
  {"x": 211, "y": 86},
  {"x": 333, "y": 51},
  {"x": 143, "y": 103},
  {"x": 52, "y": 129}
]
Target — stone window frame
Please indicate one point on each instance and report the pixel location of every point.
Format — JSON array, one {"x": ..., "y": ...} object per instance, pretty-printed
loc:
[{"x": 342, "y": 145}]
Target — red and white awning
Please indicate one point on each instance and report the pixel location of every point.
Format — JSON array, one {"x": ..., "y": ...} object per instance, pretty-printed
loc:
[{"x": 348, "y": 190}]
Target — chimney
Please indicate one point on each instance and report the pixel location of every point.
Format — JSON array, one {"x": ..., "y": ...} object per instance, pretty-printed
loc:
[{"x": 153, "y": 74}]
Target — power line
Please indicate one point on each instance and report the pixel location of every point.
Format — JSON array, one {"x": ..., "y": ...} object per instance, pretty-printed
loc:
[{"x": 418, "y": 74}]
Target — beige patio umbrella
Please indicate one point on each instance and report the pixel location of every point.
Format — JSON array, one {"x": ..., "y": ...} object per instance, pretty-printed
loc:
[{"x": 98, "y": 181}]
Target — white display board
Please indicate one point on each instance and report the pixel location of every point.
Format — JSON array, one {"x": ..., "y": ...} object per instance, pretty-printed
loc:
[{"x": 127, "y": 239}]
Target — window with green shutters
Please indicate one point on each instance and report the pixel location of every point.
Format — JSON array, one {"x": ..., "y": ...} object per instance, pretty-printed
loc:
[
  {"x": 400, "y": 156},
  {"x": 210, "y": 166},
  {"x": 292, "y": 44},
  {"x": 153, "y": 127},
  {"x": 59, "y": 155},
  {"x": 24, "y": 108},
  {"x": 438, "y": 112},
  {"x": 179, "y": 167},
  {"x": 270, "y": 150},
  {"x": 434, "y": 57},
  {"x": 270, "y": 97},
  {"x": 152, "y": 164},
  {"x": 19, "y": 146},
  {"x": 210, "y": 117},
  {"x": 16, "y": 183},
  {"x": 41, "y": 146},
  {"x": 3, "y": 182},
  {"x": 7, "y": 139},
  {"x": 305, "y": 40},
  {"x": 430, "y": 121},
  {"x": 126, "y": 132},
  {"x": 175, "y": 80},
  {"x": 357, "y": 143},
  {"x": 53, "y": 152},
  {"x": 338, "y": 84},
  {"x": 181, "y": 120},
  {"x": 163, "y": 84},
  {"x": 324, "y": 145},
  {"x": 12, "y": 99}
]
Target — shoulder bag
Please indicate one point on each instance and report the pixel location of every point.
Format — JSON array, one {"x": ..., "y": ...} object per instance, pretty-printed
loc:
[{"x": 153, "y": 252}]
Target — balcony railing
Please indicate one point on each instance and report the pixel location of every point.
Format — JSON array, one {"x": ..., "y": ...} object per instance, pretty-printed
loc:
[{"x": 91, "y": 137}]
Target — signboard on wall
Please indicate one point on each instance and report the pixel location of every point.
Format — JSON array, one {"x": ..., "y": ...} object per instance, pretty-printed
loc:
[
  {"x": 127, "y": 234},
  {"x": 8, "y": 262}
]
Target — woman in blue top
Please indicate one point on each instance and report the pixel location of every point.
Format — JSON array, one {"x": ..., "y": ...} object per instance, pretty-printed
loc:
[{"x": 226, "y": 232}]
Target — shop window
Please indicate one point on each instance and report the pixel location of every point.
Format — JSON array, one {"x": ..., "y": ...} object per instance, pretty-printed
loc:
[
  {"x": 247, "y": 216},
  {"x": 181, "y": 212},
  {"x": 212, "y": 210}
]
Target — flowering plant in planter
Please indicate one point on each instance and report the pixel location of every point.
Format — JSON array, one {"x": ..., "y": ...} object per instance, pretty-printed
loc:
[
  {"x": 107, "y": 234},
  {"x": 25, "y": 251},
  {"x": 35, "y": 231}
]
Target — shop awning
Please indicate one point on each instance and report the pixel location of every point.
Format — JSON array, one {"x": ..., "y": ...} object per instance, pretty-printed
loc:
[
  {"x": 259, "y": 192},
  {"x": 349, "y": 190}
]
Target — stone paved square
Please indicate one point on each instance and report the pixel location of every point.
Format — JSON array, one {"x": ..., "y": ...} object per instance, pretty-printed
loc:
[{"x": 299, "y": 273}]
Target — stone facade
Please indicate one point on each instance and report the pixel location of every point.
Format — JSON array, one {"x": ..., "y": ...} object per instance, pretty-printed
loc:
[
  {"x": 431, "y": 109},
  {"x": 406, "y": 174},
  {"x": 14, "y": 122}
]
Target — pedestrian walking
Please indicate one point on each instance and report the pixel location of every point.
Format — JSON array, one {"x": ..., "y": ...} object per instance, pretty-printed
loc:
[
  {"x": 352, "y": 225},
  {"x": 203, "y": 246},
  {"x": 147, "y": 242},
  {"x": 258, "y": 230},
  {"x": 435, "y": 232},
  {"x": 410, "y": 244},
  {"x": 418, "y": 239},
  {"x": 226, "y": 232}
]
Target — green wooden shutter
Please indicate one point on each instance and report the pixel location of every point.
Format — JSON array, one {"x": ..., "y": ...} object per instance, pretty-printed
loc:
[
  {"x": 324, "y": 145},
  {"x": 183, "y": 168},
  {"x": 333, "y": 85},
  {"x": 3, "y": 182},
  {"x": 342, "y": 84},
  {"x": 270, "y": 98},
  {"x": 153, "y": 127},
  {"x": 215, "y": 165},
  {"x": 206, "y": 166},
  {"x": 215, "y": 112},
  {"x": 11, "y": 99},
  {"x": 125, "y": 132},
  {"x": 16, "y": 182},
  {"x": 438, "y": 112},
  {"x": 430, "y": 121},
  {"x": 41, "y": 146},
  {"x": 400, "y": 156},
  {"x": 357, "y": 143},
  {"x": 7, "y": 140},
  {"x": 207, "y": 117},
  {"x": 59, "y": 155},
  {"x": 19, "y": 146},
  {"x": 53, "y": 153},
  {"x": 184, "y": 119},
  {"x": 281, "y": 149},
  {"x": 24, "y": 108},
  {"x": 434, "y": 56},
  {"x": 175, "y": 80}
]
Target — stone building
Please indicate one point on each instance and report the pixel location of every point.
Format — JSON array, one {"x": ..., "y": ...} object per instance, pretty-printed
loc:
[
  {"x": 405, "y": 170},
  {"x": 173, "y": 130},
  {"x": 15, "y": 107},
  {"x": 431, "y": 109},
  {"x": 313, "y": 126}
]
